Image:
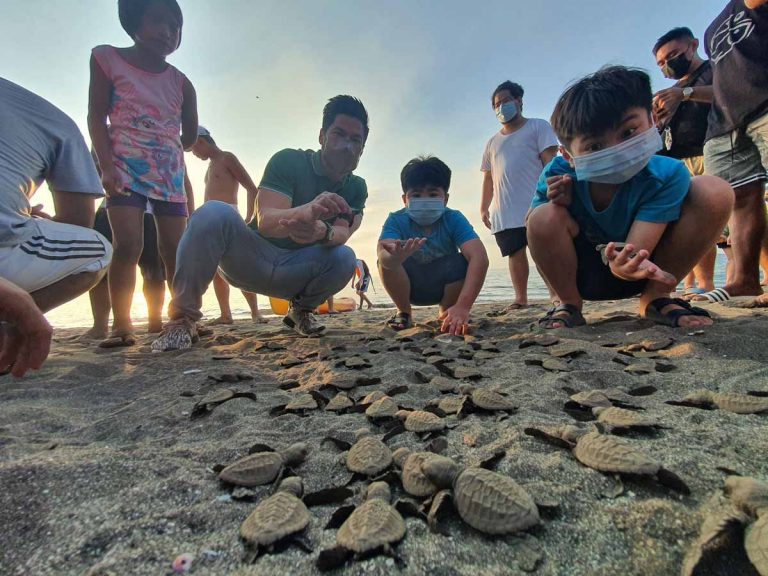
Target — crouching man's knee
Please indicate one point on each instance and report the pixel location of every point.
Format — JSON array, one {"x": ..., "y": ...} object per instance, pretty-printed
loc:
[
  {"x": 344, "y": 261},
  {"x": 549, "y": 219},
  {"x": 711, "y": 194}
]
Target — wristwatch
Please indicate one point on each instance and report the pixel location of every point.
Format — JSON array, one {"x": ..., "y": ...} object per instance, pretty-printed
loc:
[
  {"x": 687, "y": 93},
  {"x": 328, "y": 233}
]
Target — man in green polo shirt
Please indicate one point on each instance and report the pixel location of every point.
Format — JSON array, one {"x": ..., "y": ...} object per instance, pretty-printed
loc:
[{"x": 308, "y": 205}]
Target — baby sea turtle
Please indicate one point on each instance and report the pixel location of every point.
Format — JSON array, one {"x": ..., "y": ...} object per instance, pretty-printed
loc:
[
  {"x": 339, "y": 403},
  {"x": 581, "y": 404},
  {"x": 488, "y": 501},
  {"x": 372, "y": 528},
  {"x": 263, "y": 466},
  {"x": 448, "y": 404},
  {"x": 208, "y": 402},
  {"x": 414, "y": 481},
  {"x": 278, "y": 519},
  {"x": 369, "y": 456},
  {"x": 607, "y": 453},
  {"x": 420, "y": 421},
  {"x": 729, "y": 401},
  {"x": 620, "y": 419},
  {"x": 734, "y": 540},
  {"x": 300, "y": 404},
  {"x": 382, "y": 409},
  {"x": 486, "y": 400}
]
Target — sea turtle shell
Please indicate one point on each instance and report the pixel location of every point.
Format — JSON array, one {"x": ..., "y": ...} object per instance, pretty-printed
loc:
[
  {"x": 444, "y": 384},
  {"x": 493, "y": 503},
  {"x": 372, "y": 397},
  {"x": 254, "y": 470},
  {"x": 374, "y": 524},
  {"x": 740, "y": 403},
  {"x": 756, "y": 544},
  {"x": 622, "y": 418},
  {"x": 488, "y": 399},
  {"x": 339, "y": 402},
  {"x": 747, "y": 494},
  {"x": 415, "y": 482},
  {"x": 610, "y": 454},
  {"x": 450, "y": 404},
  {"x": 275, "y": 518},
  {"x": 302, "y": 402},
  {"x": 369, "y": 456},
  {"x": 421, "y": 421},
  {"x": 592, "y": 399},
  {"x": 382, "y": 408}
]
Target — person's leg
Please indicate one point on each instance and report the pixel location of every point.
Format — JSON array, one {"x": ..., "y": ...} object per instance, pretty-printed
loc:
[
  {"x": 221, "y": 288},
  {"x": 100, "y": 308},
  {"x": 551, "y": 233},
  {"x": 451, "y": 293},
  {"x": 253, "y": 304},
  {"x": 728, "y": 251},
  {"x": 747, "y": 231},
  {"x": 154, "y": 294},
  {"x": 704, "y": 271},
  {"x": 127, "y": 229},
  {"x": 360, "y": 294},
  {"x": 331, "y": 309},
  {"x": 690, "y": 281},
  {"x": 170, "y": 229},
  {"x": 368, "y": 302},
  {"x": 519, "y": 272},
  {"x": 398, "y": 286},
  {"x": 704, "y": 214},
  {"x": 764, "y": 259},
  {"x": 65, "y": 290}
]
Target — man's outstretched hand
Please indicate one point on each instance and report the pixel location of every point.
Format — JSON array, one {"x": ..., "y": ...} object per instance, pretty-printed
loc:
[{"x": 630, "y": 265}]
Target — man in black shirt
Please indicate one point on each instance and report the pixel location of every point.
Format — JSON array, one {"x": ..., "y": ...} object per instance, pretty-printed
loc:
[
  {"x": 681, "y": 115},
  {"x": 737, "y": 137}
]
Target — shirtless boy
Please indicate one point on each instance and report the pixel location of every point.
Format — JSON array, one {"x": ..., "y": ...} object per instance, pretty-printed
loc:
[{"x": 225, "y": 174}]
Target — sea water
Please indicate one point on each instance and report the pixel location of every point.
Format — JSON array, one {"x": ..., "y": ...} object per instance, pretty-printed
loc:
[{"x": 497, "y": 288}]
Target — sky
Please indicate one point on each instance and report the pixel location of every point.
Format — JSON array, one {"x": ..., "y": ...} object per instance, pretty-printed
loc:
[{"x": 425, "y": 71}]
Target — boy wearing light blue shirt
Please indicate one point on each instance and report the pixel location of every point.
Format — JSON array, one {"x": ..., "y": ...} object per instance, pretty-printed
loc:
[
  {"x": 610, "y": 219},
  {"x": 429, "y": 254}
]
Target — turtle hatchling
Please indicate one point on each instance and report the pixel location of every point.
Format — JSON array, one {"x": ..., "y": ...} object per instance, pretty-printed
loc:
[
  {"x": 264, "y": 466},
  {"x": 619, "y": 419},
  {"x": 414, "y": 481},
  {"x": 339, "y": 403},
  {"x": 382, "y": 408},
  {"x": 276, "y": 520},
  {"x": 420, "y": 421},
  {"x": 368, "y": 456},
  {"x": 485, "y": 399},
  {"x": 734, "y": 540},
  {"x": 607, "y": 453},
  {"x": 208, "y": 402},
  {"x": 729, "y": 401},
  {"x": 372, "y": 528},
  {"x": 488, "y": 501}
]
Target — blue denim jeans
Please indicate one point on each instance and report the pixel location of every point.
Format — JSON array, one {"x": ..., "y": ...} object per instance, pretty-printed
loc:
[{"x": 218, "y": 238}]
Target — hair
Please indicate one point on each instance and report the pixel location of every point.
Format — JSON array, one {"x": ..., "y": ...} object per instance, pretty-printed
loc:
[
  {"x": 347, "y": 105},
  {"x": 598, "y": 102},
  {"x": 425, "y": 171},
  {"x": 131, "y": 13},
  {"x": 674, "y": 34},
  {"x": 208, "y": 139},
  {"x": 512, "y": 87}
]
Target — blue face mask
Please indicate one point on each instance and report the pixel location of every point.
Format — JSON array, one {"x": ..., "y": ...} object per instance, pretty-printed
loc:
[
  {"x": 507, "y": 112},
  {"x": 425, "y": 211},
  {"x": 619, "y": 163}
]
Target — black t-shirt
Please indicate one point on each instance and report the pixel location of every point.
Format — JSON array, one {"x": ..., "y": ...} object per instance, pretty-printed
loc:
[
  {"x": 737, "y": 45},
  {"x": 688, "y": 126}
]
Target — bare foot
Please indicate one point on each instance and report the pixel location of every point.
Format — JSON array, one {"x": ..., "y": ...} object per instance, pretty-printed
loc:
[
  {"x": 259, "y": 319},
  {"x": 95, "y": 334},
  {"x": 154, "y": 327},
  {"x": 759, "y": 302},
  {"x": 516, "y": 306},
  {"x": 220, "y": 320}
]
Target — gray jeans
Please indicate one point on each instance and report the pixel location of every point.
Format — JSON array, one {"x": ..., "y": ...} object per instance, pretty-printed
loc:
[{"x": 217, "y": 237}]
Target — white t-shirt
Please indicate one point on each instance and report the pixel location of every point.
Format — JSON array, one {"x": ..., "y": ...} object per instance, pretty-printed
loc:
[
  {"x": 515, "y": 166},
  {"x": 38, "y": 142}
]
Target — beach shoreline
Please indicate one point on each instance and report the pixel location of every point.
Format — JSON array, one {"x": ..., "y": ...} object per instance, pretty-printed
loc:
[{"x": 104, "y": 472}]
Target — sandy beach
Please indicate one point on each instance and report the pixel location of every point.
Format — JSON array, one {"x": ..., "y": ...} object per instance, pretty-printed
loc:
[{"x": 104, "y": 473}]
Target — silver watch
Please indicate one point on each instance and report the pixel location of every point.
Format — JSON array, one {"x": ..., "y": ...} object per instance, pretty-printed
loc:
[{"x": 687, "y": 93}]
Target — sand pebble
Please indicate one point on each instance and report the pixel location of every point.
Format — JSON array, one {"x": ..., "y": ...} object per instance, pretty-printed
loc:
[
  {"x": 192, "y": 371},
  {"x": 182, "y": 563}
]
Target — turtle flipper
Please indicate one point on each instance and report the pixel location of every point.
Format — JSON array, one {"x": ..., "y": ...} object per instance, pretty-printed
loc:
[
  {"x": 332, "y": 558},
  {"x": 672, "y": 480},
  {"x": 437, "y": 511},
  {"x": 339, "y": 517}
]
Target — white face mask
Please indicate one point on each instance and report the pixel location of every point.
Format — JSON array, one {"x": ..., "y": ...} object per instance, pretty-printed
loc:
[{"x": 619, "y": 163}]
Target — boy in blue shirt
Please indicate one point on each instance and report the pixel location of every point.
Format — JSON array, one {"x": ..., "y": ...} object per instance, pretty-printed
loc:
[
  {"x": 428, "y": 253},
  {"x": 611, "y": 220}
]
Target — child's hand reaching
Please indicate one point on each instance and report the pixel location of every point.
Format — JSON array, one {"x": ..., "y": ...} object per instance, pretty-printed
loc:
[
  {"x": 560, "y": 190},
  {"x": 630, "y": 265},
  {"x": 112, "y": 184},
  {"x": 400, "y": 250}
]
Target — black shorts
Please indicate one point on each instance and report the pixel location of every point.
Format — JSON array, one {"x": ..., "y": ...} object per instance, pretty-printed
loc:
[
  {"x": 511, "y": 240},
  {"x": 595, "y": 280},
  {"x": 150, "y": 263},
  {"x": 428, "y": 281}
]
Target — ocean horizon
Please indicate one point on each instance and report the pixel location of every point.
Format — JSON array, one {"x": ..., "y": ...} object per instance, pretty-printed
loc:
[{"x": 497, "y": 288}]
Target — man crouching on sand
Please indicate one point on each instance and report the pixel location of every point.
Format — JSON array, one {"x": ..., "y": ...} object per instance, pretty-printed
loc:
[{"x": 307, "y": 207}]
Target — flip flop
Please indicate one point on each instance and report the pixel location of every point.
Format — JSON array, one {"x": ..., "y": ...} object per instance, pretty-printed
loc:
[
  {"x": 672, "y": 318},
  {"x": 515, "y": 306},
  {"x": 574, "y": 318},
  {"x": 400, "y": 321},
  {"x": 119, "y": 341},
  {"x": 716, "y": 295}
]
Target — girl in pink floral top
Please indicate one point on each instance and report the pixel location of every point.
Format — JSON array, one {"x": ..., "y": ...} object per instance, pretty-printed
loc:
[{"x": 152, "y": 113}]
